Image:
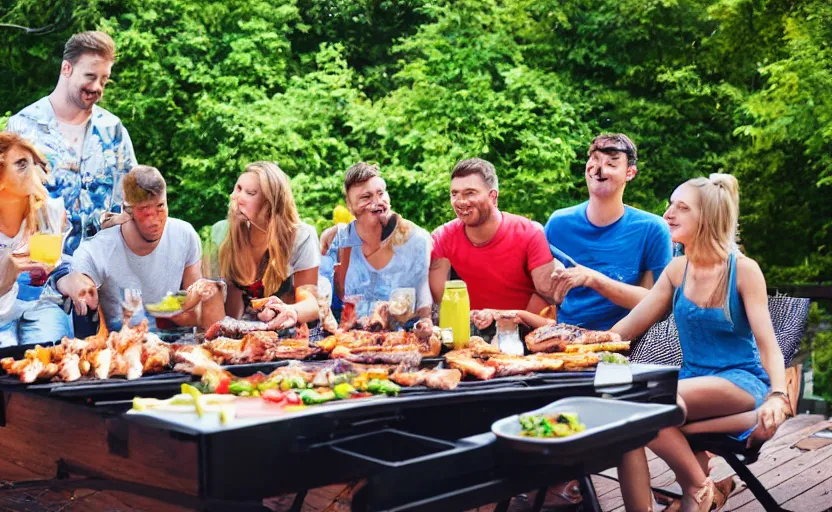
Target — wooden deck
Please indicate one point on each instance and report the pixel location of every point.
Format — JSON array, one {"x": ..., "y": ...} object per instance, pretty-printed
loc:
[{"x": 795, "y": 466}]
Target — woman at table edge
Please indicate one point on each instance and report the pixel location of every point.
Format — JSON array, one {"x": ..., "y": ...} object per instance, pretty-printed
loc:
[
  {"x": 267, "y": 250},
  {"x": 732, "y": 368},
  {"x": 22, "y": 194}
]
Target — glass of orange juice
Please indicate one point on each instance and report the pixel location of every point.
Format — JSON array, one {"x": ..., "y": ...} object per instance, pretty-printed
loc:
[
  {"x": 46, "y": 248},
  {"x": 46, "y": 245}
]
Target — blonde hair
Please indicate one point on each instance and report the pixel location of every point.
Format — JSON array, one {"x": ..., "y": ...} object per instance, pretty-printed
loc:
[
  {"x": 283, "y": 222},
  {"x": 37, "y": 199},
  {"x": 719, "y": 208},
  {"x": 716, "y": 235}
]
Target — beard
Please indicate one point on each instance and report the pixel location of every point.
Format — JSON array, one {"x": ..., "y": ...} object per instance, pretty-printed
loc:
[
  {"x": 85, "y": 99},
  {"x": 480, "y": 214}
]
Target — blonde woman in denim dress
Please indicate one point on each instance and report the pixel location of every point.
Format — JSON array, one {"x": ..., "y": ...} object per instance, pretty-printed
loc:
[{"x": 732, "y": 365}]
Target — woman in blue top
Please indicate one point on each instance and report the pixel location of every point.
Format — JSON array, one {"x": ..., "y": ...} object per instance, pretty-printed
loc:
[
  {"x": 731, "y": 361},
  {"x": 379, "y": 251}
]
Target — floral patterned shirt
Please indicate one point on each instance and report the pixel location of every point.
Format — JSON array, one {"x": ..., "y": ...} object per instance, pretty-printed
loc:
[{"x": 89, "y": 183}]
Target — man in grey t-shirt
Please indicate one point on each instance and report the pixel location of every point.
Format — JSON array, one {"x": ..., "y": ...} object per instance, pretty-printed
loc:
[{"x": 150, "y": 252}]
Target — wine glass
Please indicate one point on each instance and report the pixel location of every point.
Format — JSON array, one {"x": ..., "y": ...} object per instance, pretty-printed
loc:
[{"x": 131, "y": 303}]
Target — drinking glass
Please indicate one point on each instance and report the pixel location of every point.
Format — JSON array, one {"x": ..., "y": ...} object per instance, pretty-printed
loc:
[{"x": 131, "y": 303}]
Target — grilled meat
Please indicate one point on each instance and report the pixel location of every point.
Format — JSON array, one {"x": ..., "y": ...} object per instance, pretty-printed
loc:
[
  {"x": 237, "y": 329},
  {"x": 434, "y": 379},
  {"x": 507, "y": 365},
  {"x": 555, "y": 338},
  {"x": 231, "y": 328},
  {"x": 348, "y": 316},
  {"x": 392, "y": 355},
  {"x": 572, "y": 362},
  {"x": 468, "y": 365},
  {"x": 194, "y": 359},
  {"x": 69, "y": 368},
  {"x": 612, "y": 346},
  {"x": 379, "y": 320}
]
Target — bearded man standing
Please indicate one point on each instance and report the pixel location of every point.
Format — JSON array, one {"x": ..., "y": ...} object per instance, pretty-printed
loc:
[{"x": 88, "y": 149}]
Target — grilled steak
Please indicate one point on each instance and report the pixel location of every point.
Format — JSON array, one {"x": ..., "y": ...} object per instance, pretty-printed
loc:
[{"x": 555, "y": 338}]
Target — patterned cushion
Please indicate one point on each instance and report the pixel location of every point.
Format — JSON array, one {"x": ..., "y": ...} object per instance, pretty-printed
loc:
[
  {"x": 789, "y": 316},
  {"x": 660, "y": 344}
]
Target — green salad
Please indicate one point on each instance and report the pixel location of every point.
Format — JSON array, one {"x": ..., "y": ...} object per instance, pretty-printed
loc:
[{"x": 551, "y": 425}]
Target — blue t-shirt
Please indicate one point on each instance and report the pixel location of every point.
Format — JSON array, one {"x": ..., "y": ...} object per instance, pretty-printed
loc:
[{"x": 624, "y": 250}]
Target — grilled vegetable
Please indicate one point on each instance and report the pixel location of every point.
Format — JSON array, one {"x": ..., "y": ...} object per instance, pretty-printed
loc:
[
  {"x": 612, "y": 357},
  {"x": 557, "y": 425},
  {"x": 383, "y": 387},
  {"x": 344, "y": 390},
  {"x": 241, "y": 388},
  {"x": 292, "y": 382},
  {"x": 311, "y": 396}
]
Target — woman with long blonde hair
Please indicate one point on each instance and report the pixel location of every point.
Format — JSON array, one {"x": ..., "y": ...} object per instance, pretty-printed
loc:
[
  {"x": 268, "y": 251},
  {"x": 732, "y": 375},
  {"x": 23, "y": 203}
]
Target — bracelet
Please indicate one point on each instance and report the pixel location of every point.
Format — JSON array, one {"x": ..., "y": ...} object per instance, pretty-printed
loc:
[{"x": 783, "y": 396}]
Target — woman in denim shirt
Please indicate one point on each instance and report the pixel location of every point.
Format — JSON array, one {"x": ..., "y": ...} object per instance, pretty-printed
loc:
[{"x": 379, "y": 251}]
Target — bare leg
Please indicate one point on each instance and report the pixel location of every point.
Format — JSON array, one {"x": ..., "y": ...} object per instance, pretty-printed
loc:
[
  {"x": 634, "y": 478},
  {"x": 701, "y": 397},
  {"x": 702, "y": 458},
  {"x": 733, "y": 424}
]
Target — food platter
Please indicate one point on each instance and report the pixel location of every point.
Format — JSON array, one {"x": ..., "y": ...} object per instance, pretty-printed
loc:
[
  {"x": 168, "y": 307},
  {"x": 607, "y": 422}
]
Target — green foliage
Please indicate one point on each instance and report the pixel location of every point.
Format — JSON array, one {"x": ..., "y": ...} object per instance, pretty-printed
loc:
[{"x": 207, "y": 86}]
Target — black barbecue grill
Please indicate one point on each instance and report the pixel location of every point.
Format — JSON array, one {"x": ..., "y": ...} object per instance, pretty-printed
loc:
[{"x": 422, "y": 450}]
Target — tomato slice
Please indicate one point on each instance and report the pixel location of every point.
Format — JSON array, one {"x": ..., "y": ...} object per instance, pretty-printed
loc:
[
  {"x": 273, "y": 395},
  {"x": 292, "y": 398},
  {"x": 222, "y": 388}
]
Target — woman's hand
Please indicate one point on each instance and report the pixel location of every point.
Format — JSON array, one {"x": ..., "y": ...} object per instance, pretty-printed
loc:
[
  {"x": 277, "y": 314},
  {"x": 772, "y": 414},
  {"x": 284, "y": 318}
]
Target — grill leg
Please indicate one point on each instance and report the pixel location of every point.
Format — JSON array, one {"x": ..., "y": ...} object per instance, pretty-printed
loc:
[
  {"x": 297, "y": 505},
  {"x": 757, "y": 489},
  {"x": 539, "y": 499},
  {"x": 590, "y": 500},
  {"x": 502, "y": 506}
]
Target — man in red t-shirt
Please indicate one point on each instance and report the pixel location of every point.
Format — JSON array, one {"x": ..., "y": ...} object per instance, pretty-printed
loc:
[{"x": 504, "y": 259}]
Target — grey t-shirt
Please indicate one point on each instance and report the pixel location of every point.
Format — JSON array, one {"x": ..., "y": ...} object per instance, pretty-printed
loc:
[{"x": 113, "y": 266}]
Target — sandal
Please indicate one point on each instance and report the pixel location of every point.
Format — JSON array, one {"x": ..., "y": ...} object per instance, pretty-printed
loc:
[
  {"x": 704, "y": 497},
  {"x": 722, "y": 491}
]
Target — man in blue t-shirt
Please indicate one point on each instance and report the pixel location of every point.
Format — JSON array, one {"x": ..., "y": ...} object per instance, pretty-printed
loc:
[{"x": 613, "y": 252}]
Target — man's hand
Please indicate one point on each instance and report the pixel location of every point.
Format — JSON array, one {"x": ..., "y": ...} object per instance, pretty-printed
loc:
[
  {"x": 81, "y": 289},
  {"x": 110, "y": 219},
  {"x": 564, "y": 279},
  {"x": 514, "y": 315},
  {"x": 483, "y": 318},
  {"x": 771, "y": 415},
  {"x": 328, "y": 236},
  {"x": 201, "y": 291}
]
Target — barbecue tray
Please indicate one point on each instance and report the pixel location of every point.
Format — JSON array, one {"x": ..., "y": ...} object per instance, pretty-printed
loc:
[{"x": 608, "y": 422}]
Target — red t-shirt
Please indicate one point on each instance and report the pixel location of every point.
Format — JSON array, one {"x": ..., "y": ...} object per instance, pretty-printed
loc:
[{"x": 498, "y": 274}]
